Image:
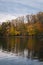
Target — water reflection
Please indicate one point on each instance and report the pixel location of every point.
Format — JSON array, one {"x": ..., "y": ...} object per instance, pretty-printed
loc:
[{"x": 29, "y": 47}]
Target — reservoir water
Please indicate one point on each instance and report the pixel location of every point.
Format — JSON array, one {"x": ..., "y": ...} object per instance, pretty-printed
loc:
[{"x": 20, "y": 50}]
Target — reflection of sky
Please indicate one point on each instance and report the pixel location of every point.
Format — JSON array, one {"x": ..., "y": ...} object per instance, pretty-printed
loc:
[
  {"x": 12, "y": 59},
  {"x": 18, "y": 7}
]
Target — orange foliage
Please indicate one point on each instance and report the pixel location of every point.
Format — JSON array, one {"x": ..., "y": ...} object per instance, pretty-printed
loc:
[{"x": 39, "y": 26}]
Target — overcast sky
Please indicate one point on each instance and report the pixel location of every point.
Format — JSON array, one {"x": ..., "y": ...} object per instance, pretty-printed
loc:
[{"x": 10, "y": 9}]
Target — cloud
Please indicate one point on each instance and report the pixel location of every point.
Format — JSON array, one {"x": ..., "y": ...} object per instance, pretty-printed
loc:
[
  {"x": 5, "y": 17},
  {"x": 10, "y": 8},
  {"x": 18, "y": 6}
]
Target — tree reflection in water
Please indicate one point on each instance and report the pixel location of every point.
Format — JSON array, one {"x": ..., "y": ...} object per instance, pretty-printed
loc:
[{"x": 29, "y": 47}]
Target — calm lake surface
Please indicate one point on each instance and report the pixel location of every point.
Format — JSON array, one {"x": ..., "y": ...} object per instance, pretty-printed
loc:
[{"x": 20, "y": 50}]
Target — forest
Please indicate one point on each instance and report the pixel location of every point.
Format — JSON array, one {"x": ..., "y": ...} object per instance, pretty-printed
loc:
[{"x": 23, "y": 26}]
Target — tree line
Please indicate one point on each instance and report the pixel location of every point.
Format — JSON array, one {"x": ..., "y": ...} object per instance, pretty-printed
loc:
[{"x": 24, "y": 25}]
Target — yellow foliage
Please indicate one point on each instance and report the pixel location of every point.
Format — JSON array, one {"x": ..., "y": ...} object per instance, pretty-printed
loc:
[
  {"x": 17, "y": 33},
  {"x": 31, "y": 29}
]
